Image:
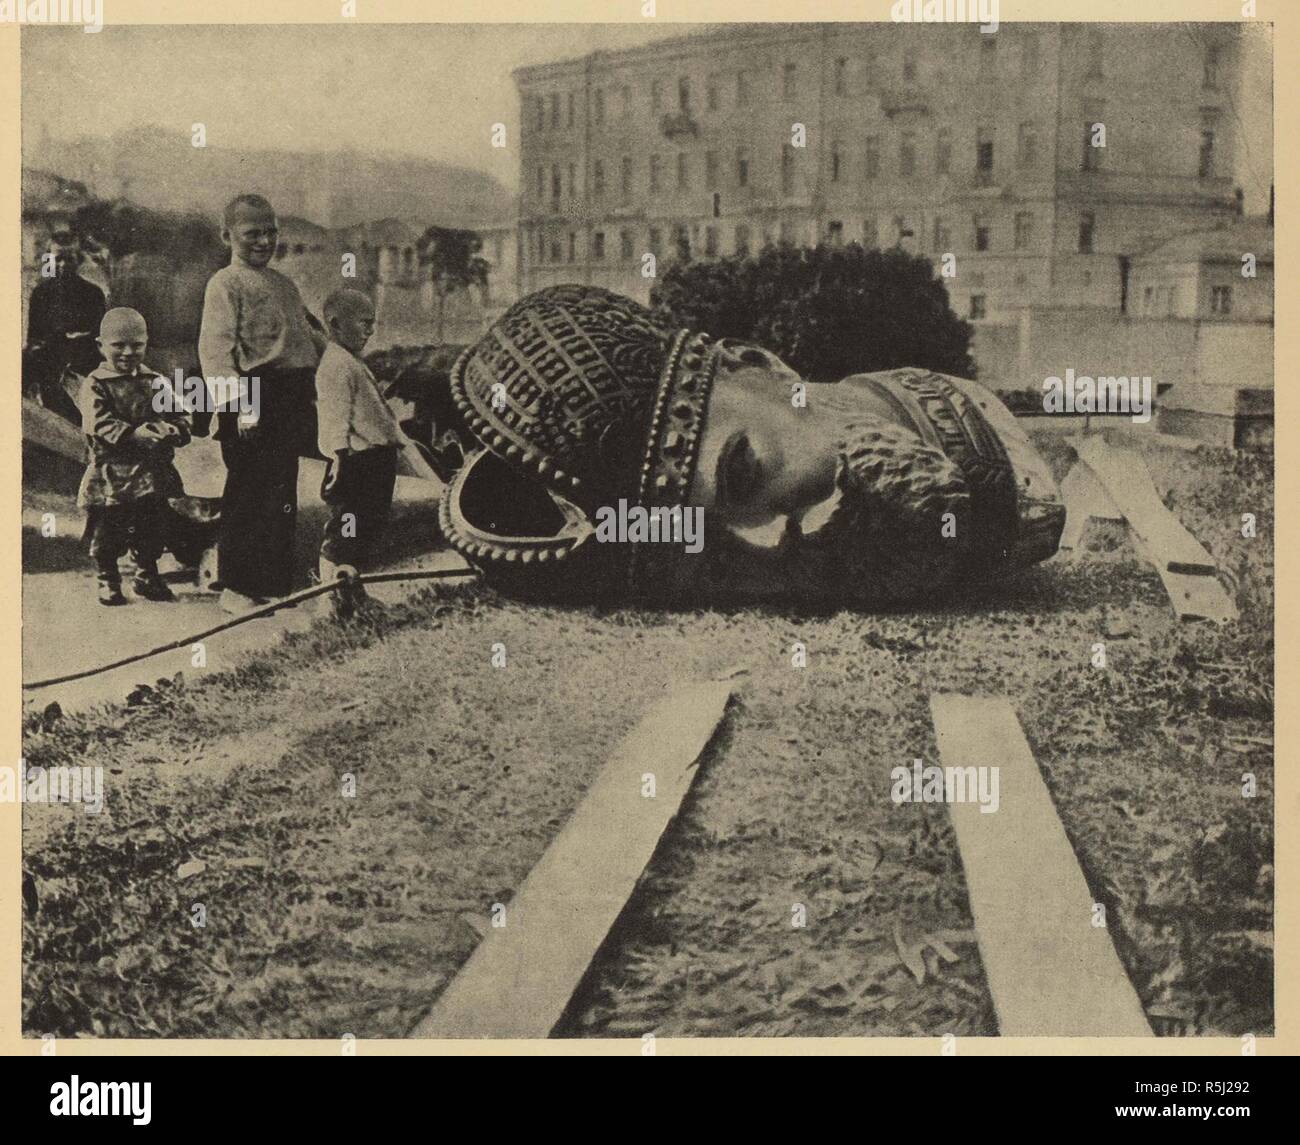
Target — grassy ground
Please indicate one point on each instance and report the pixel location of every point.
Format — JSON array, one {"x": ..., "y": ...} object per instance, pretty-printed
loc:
[{"x": 328, "y": 915}]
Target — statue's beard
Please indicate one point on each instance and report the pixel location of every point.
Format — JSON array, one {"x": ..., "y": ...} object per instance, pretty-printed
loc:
[{"x": 897, "y": 530}]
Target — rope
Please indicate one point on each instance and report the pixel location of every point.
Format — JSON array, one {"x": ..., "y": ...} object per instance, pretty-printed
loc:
[{"x": 343, "y": 582}]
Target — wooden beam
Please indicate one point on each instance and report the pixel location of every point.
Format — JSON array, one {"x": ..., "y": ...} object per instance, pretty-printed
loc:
[
  {"x": 1050, "y": 971},
  {"x": 521, "y": 977},
  {"x": 1084, "y": 499},
  {"x": 1187, "y": 571}
]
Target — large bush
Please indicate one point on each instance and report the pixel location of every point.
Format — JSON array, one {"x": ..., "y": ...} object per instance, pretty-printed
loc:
[{"x": 828, "y": 311}]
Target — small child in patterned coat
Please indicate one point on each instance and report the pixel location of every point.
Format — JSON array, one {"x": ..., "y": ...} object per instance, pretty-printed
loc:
[{"x": 130, "y": 473}]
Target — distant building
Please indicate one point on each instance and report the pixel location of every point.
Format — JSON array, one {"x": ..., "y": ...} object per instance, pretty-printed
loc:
[
  {"x": 934, "y": 137},
  {"x": 1200, "y": 275}
]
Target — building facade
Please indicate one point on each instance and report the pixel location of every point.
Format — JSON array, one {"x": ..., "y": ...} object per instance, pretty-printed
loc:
[{"x": 936, "y": 137}]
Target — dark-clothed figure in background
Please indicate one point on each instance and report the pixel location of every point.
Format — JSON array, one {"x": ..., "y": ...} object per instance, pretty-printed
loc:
[
  {"x": 63, "y": 316},
  {"x": 130, "y": 473},
  {"x": 254, "y": 326}
]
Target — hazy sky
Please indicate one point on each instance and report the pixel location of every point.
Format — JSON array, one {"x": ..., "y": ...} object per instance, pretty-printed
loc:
[{"x": 428, "y": 90}]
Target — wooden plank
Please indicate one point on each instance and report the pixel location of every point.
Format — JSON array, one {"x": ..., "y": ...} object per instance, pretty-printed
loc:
[
  {"x": 519, "y": 980},
  {"x": 1124, "y": 475},
  {"x": 1187, "y": 571},
  {"x": 1050, "y": 971},
  {"x": 1084, "y": 499}
]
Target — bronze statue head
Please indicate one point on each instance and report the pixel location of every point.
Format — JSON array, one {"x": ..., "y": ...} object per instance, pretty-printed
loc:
[{"x": 879, "y": 489}]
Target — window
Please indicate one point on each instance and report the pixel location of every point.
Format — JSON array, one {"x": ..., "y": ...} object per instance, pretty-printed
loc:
[
  {"x": 600, "y": 106},
  {"x": 742, "y": 167},
  {"x": 625, "y": 245},
  {"x": 788, "y": 81},
  {"x": 787, "y": 170},
  {"x": 541, "y": 183},
  {"x": 682, "y": 240},
  {"x": 786, "y": 231},
  {"x": 943, "y": 151},
  {"x": 841, "y": 70},
  {"x": 711, "y": 99},
  {"x": 683, "y": 174},
  {"x": 656, "y": 95},
  {"x": 742, "y": 88},
  {"x": 573, "y": 180},
  {"x": 625, "y": 101},
  {"x": 656, "y": 241},
  {"x": 1210, "y": 76},
  {"x": 1026, "y": 145},
  {"x": 978, "y": 308},
  {"x": 710, "y": 241},
  {"x": 541, "y": 113},
  {"x": 598, "y": 245},
  {"x": 654, "y": 172},
  {"x": 573, "y": 245},
  {"x": 1028, "y": 55},
  {"x": 1147, "y": 295},
  {"x": 988, "y": 57},
  {"x": 1094, "y": 50},
  {"x": 835, "y": 232},
  {"x": 742, "y": 239},
  {"x": 942, "y": 237},
  {"x": 717, "y": 205},
  {"x": 710, "y": 169},
  {"x": 1024, "y": 230},
  {"x": 571, "y": 115},
  {"x": 835, "y": 161},
  {"x": 909, "y": 65},
  {"x": 902, "y": 229},
  {"x": 598, "y": 178},
  {"x": 1087, "y": 231},
  {"x": 684, "y": 94},
  {"x": 1091, "y": 154},
  {"x": 981, "y": 226},
  {"x": 626, "y": 178},
  {"x": 557, "y": 188},
  {"x": 984, "y": 157},
  {"x": 555, "y": 250},
  {"x": 870, "y": 234},
  {"x": 871, "y": 167},
  {"x": 907, "y": 153},
  {"x": 1221, "y": 300},
  {"x": 555, "y": 109},
  {"x": 1206, "y": 167}
]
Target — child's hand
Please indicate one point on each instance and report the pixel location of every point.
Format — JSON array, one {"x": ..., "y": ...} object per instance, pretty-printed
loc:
[
  {"x": 332, "y": 472},
  {"x": 151, "y": 433}
]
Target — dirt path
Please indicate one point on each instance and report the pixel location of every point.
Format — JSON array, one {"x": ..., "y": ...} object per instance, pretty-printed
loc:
[{"x": 66, "y": 630}]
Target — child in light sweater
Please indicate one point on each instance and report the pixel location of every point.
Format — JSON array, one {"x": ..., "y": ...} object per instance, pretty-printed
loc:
[{"x": 358, "y": 435}]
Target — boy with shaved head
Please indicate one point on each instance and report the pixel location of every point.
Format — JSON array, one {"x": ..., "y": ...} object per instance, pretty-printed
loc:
[
  {"x": 130, "y": 473},
  {"x": 254, "y": 326},
  {"x": 358, "y": 435}
]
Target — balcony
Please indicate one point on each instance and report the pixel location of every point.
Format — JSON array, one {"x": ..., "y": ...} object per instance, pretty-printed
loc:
[
  {"x": 679, "y": 125},
  {"x": 903, "y": 101}
]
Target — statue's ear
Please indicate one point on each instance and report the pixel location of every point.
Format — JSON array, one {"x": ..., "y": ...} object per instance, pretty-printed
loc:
[{"x": 734, "y": 354}]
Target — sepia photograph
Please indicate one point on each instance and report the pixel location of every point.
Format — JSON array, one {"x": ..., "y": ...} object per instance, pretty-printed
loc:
[{"x": 647, "y": 530}]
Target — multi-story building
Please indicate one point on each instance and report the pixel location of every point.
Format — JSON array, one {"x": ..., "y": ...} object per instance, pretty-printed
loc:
[{"x": 1043, "y": 157}]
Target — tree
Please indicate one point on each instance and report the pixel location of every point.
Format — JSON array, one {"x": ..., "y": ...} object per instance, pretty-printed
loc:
[
  {"x": 828, "y": 311},
  {"x": 452, "y": 262}
]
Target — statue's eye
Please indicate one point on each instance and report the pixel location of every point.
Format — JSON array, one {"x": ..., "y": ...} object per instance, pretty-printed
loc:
[{"x": 738, "y": 471}]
